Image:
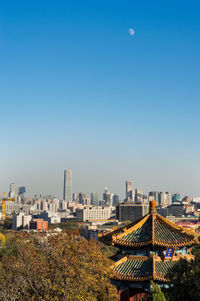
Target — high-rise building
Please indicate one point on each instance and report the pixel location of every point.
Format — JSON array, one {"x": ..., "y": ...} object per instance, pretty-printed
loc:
[
  {"x": 74, "y": 197},
  {"x": 13, "y": 191},
  {"x": 138, "y": 195},
  {"x": 131, "y": 211},
  {"x": 67, "y": 189},
  {"x": 154, "y": 196},
  {"x": 107, "y": 197},
  {"x": 81, "y": 197},
  {"x": 115, "y": 199},
  {"x": 165, "y": 199},
  {"x": 129, "y": 187},
  {"x": 94, "y": 199},
  {"x": 130, "y": 192}
]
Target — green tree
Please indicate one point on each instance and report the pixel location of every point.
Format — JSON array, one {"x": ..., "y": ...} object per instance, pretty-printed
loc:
[
  {"x": 185, "y": 283},
  {"x": 156, "y": 293}
]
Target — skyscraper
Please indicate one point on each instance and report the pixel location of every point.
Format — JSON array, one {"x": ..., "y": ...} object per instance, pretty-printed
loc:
[
  {"x": 130, "y": 192},
  {"x": 94, "y": 199},
  {"x": 67, "y": 189}
]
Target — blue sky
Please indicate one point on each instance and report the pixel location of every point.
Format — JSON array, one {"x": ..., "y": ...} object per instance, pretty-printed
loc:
[{"x": 78, "y": 91}]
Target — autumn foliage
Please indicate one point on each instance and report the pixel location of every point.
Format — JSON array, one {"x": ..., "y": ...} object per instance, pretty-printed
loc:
[{"x": 59, "y": 267}]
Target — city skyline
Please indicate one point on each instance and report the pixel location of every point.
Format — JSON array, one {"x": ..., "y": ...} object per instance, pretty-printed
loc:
[
  {"x": 67, "y": 194},
  {"x": 110, "y": 89}
]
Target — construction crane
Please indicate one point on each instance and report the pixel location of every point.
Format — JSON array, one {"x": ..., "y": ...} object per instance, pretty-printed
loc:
[{"x": 4, "y": 205}]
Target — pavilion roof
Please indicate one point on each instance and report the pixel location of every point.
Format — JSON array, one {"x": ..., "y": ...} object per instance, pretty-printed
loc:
[
  {"x": 143, "y": 268},
  {"x": 152, "y": 229}
]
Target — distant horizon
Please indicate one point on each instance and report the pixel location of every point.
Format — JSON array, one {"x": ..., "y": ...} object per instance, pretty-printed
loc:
[
  {"x": 100, "y": 193},
  {"x": 110, "y": 89}
]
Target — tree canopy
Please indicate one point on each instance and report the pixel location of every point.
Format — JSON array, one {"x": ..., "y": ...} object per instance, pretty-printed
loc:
[
  {"x": 59, "y": 267},
  {"x": 156, "y": 293},
  {"x": 185, "y": 283}
]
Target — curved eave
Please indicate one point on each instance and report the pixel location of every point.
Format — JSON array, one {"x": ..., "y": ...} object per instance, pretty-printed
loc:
[
  {"x": 154, "y": 243},
  {"x": 156, "y": 277}
]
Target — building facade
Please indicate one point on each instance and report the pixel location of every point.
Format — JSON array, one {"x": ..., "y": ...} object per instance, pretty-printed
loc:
[
  {"x": 91, "y": 213},
  {"x": 131, "y": 211},
  {"x": 94, "y": 199},
  {"x": 67, "y": 189}
]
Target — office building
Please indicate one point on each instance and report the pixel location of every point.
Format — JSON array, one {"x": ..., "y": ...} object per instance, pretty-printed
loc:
[
  {"x": 176, "y": 197},
  {"x": 21, "y": 220},
  {"x": 67, "y": 189},
  {"x": 138, "y": 195},
  {"x": 74, "y": 197},
  {"x": 154, "y": 196},
  {"x": 131, "y": 211},
  {"x": 50, "y": 216},
  {"x": 13, "y": 191},
  {"x": 165, "y": 199},
  {"x": 107, "y": 197},
  {"x": 22, "y": 191},
  {"x": 115, "y": 199},
  {"x": 130, "y": 192},
  {"x": 38, "y": 224},
  {"x": 94, "y": 199},
  {"x": 94, "y": 213},
  {"x": 81, "y": 197}
]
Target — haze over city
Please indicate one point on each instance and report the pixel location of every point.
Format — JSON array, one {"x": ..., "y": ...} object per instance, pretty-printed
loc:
[{"x": 109, "y": 89}]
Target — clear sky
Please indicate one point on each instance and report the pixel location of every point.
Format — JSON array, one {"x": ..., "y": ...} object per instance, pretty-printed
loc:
[{"x": 78, "y": 91}]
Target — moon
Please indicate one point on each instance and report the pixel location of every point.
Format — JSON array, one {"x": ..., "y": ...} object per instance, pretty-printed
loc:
[{"x": 131, "y": 31}]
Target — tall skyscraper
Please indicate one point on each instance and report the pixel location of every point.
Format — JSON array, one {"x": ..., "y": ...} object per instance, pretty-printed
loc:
[
  {"x": 94, "y": 199},
  {"x": 129, "y": 187},
  {"x": 67, "y": 189},
  {"x": 107, "y": 197},
  {"x": 130, "y": 192}
]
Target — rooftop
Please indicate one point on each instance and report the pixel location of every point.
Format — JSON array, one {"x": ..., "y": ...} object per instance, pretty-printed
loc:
[
  {"x": 152, "y": 229},
  {"x": 143, "y": 268}
]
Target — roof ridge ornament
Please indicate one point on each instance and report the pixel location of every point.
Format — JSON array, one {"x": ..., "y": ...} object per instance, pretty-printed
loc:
[{"x": 152, "y": 207}]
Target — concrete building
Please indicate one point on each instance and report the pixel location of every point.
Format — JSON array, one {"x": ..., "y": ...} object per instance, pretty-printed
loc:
[
  {"x": 11, "y": 208},
  {"x": 176, "y": 209},
  {"x": 131, "y": 211},
  {"x": 54, "y": 205},
  {"x": 94, "y": 213},
  {"x": 165, "y": 199},
  {"x": 27, "y": 208},
  {"x": 38, "y": 224},
  {"x": 51, "y": 217},
  {"x": 67, "y": 189},
  {"x": 44, "y": 205},
  {"x": 138, "y": 195},
  {"x": 63, "y": 205},
  {"x": 21, "y": 220}
]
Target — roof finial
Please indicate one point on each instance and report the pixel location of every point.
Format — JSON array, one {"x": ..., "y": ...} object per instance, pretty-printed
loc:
[{"x": 152, "y": 208}]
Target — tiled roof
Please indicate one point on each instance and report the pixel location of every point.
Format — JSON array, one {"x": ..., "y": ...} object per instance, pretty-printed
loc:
[
  {"x": 141, "y": 268},
  {"x": 152, "y": 229},
  {"x": 141, "y": 234}
]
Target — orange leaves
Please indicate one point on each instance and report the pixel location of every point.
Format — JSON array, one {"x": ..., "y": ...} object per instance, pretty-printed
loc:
[{"x": 62, "y": 267}]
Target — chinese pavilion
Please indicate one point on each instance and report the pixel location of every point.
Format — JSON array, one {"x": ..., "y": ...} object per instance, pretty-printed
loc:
[{"x": 149, "y": 249}]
